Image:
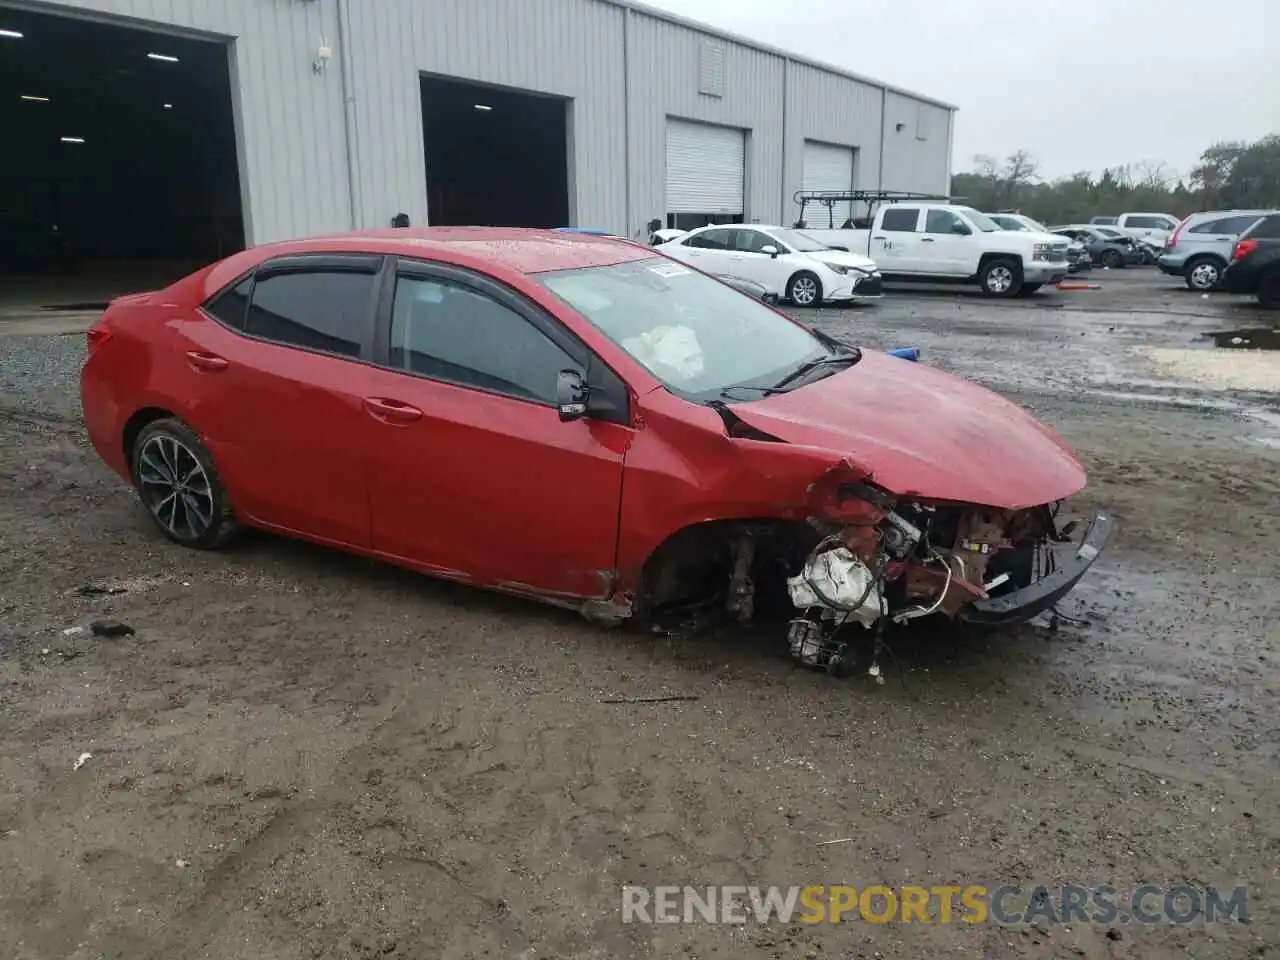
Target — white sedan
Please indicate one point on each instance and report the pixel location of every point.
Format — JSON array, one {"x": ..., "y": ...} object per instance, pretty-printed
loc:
[{"x": 787, "y": 263}]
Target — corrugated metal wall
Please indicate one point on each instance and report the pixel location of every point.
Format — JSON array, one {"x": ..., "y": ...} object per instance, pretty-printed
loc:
[
  {"x": 625, "y": 73},
  {"x": 917, "y": 157},
  {"x": 832, "y": 109}
]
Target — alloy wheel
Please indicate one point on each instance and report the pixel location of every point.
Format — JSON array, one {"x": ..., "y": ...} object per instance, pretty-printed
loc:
[
  {"x": 804, "y": 291},
  {"x": 999, "y": 279},
  {"x": 175, "y": 487},
  {"x": 1204, "y": 276}
]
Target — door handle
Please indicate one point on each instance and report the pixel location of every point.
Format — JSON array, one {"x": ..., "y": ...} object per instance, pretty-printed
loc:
[
  {"x": 391, "y": 411},
  {"x": 877, "y": 238},
  {"x": 206, "y": 362},
  {"x": 926, "y": 239}
]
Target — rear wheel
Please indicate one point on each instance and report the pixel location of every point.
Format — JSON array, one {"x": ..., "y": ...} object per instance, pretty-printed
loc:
[
  {"x": 1202, "y": 274},
  {"x": 179, "y": 485},
  {"x": 1001, "y": 278},
  {"x": 805, "y": 290},
  {"x": 1269, "y": 290}
]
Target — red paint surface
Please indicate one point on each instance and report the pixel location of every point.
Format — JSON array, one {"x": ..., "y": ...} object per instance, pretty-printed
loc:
[{"x": 501, "y": 493}]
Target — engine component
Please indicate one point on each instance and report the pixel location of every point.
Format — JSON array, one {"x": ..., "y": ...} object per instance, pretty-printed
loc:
[
  {"x": 834, "y": 578},
  {"x": 899, "y": 535}
]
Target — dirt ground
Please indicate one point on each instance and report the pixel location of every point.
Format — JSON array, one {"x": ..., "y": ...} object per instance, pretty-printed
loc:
[{"x": 304, "y": 755}]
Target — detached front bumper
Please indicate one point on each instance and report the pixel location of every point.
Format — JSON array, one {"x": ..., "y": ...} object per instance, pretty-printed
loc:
[
  {"x": 1038, "y": 272},
  {"x": 1022, "y": 605},
  {"x": 856, "y": 286}
]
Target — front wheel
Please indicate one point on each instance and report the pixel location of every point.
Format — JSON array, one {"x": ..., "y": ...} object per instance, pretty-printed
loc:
[
  {"x": 1002, "y": 278},
  {"x": 179, "y": 485},
  {"x": 1112, "y": 259},
  {"x": 805, "y": 290}
]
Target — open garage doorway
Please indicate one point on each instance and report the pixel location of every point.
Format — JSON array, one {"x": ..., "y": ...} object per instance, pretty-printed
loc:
[
  {"x": 495, "y": 156},
  {"x": 119, "y": 169}
]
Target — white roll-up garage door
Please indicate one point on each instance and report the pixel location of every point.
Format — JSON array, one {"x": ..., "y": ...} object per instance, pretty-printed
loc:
[
  {"x": 706, "y": 168},
  {"x": 827, "y": 167}
]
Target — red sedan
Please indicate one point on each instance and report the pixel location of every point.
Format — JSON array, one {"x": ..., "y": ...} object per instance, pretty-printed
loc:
[{"x": 579, "y": 420}]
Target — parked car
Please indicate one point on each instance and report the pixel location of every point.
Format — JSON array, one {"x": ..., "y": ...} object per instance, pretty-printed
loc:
[
  {"x": 788, "y": 263},
  {"x": 1200, "y": 248},
  {"x": 1077, "y": 253},
  {"x": 921, "y": 241},
  {"x": 1155, "y": 227},
  {"x": 1107, "y": 246},
  {"x": 582, "y": 421},
  {"x": 1255, "y": 263}
]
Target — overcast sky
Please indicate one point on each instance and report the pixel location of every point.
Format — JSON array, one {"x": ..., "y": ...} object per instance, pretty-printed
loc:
[{"x": 1083, "y": 84}]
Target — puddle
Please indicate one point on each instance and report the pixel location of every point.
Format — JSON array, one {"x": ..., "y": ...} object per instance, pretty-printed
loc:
[
  {"x": 75, "y": 307},
  {"x": 1257, "y": 338}
]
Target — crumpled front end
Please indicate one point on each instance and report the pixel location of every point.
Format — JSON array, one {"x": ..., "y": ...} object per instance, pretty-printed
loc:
[{"x": 885, "y": 559}]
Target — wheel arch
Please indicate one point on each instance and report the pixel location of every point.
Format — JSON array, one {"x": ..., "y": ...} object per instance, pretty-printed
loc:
[{"x": 137, "y": 422}]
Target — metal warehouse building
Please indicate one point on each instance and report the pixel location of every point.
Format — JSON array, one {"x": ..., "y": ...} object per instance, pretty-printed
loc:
[{"x": 344, "y": 113}]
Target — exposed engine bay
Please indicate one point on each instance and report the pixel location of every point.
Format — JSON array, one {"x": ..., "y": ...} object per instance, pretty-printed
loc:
[{"x": 870, "y": 560}]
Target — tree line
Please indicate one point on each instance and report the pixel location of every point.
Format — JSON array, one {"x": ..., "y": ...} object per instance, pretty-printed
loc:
[{"x": 1236, "y": 175}]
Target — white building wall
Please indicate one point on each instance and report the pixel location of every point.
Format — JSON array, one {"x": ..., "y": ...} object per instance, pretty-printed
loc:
[{"x": 625, "y": 69}]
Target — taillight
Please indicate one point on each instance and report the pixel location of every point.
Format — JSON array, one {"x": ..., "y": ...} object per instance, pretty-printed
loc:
[
  {"x": 96, "y": 337},
  {"x": 1242, "y": 249},
  {"x": 1173, "y": 237}
]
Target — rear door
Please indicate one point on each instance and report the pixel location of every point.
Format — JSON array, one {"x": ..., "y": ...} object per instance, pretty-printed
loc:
[
  {"x": 472, "y": 474},
  {"x": 274, "y": 381},
  {"x": 895, "y": 240}
]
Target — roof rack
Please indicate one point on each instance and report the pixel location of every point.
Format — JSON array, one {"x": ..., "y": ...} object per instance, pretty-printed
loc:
[{"x": 829, "y": 199}]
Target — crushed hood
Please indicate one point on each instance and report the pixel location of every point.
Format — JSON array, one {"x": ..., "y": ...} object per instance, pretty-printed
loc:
[{"x": 924, "y": 433}]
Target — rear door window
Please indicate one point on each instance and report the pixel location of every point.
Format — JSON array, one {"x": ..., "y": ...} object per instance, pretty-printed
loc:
[
  {"x": 900, "y": 219},
  {"x": 325, "y": 310}
]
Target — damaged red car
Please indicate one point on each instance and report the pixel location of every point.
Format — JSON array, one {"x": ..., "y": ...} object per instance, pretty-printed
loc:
[{"x": 582, "y": 421}]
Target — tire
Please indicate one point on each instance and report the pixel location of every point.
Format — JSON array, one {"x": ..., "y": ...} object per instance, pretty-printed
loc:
[
  {"x": 1112, "y": 259},
  {"x": 192, "y": 510},
  {"x": 1269, "y": 290},
  {"x": 1029, "y": 288},
  {"x": 1001, "y": 277},
  {"x": 1202, "y": 274},
  {"x": 805, "y": 290}
]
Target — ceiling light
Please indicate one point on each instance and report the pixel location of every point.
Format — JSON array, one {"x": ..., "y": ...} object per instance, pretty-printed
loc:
[
  {"x": 168, "y": 106},
  {"x": 73, "y": 139},
  {"x": 26, "y": 96},
  {"x": 483, "y": 106},
  {"x": 11, "y": 34},
  {"x": 162, "y": 56}
]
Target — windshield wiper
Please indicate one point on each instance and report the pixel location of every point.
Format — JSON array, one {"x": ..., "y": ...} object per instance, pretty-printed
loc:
[
  {"x": 765, "y": 391},
  {"x": 811, "y": 365}
]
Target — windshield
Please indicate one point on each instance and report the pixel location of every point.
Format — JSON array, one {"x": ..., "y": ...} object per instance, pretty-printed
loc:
[
  {"x": 694, "y": 333},
  {"x": 797, "y": 241},
  {"x": 1009, "y": 223},
  {"x": 979, "y": 220}
]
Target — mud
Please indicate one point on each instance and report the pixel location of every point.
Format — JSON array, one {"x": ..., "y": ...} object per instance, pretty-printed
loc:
[{"x": 303, "y": 755}]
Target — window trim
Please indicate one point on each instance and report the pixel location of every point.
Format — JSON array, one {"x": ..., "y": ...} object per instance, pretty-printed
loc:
[
  {"x": 374, "y": 264},
  {"x": 607, "y": 382}
]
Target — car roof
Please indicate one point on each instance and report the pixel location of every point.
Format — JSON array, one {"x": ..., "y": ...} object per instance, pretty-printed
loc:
[{"x": 519, "y": 249}]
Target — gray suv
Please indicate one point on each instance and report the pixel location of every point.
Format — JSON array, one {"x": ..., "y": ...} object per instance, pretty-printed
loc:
[{"x": 1199, "y": 250}]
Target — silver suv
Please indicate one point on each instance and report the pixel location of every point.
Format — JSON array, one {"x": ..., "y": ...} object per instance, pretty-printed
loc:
[{"x": 1199, "y": 250}]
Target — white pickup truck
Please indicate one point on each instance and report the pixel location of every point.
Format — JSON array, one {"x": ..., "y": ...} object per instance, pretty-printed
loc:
[{"x": 948, "y": 243}]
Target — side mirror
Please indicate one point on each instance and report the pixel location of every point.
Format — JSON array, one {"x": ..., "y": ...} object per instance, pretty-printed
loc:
[
  {"x": 571, "y": 395},
  {"x": 961, "y": 229},
  {"x": 771, "y": 250}
]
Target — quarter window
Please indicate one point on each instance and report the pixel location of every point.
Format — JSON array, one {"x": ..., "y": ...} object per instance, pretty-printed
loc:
[
  {"x": 900, "y": 220},
  {"x": 318, "y": 310},
  {"x": 232, "y": 306},
  {"x": 446, "y": 331}
]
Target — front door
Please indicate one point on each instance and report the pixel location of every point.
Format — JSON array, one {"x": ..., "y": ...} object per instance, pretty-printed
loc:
[
  {"x": 747, "y": 259},
  {"x": 274, "y": 385},
  {"x": 953, "y": 254},
  {"x": 473, "y": 474}
]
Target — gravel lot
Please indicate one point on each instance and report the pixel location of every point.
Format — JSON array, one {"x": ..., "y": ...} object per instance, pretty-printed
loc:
[{"x": 304, "y": 755}]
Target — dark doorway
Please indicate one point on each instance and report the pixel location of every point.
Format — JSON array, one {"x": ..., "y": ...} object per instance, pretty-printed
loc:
[
  {"x": 495, "y": 157},
  {"x": 119, "y": 164}
]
